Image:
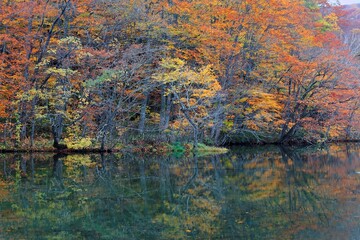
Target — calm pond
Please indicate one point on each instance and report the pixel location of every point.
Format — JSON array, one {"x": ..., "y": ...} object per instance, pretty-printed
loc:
[{"x": 249, "y": 193}]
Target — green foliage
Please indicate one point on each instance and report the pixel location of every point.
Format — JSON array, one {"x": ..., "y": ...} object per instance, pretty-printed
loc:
[
  {"x": 177, "y": 147},
  {"x": 105, "y": 77},
  {"x": 204, "y": 149},
  {"x": 312, "y": 4},
  {"x": 329, "y": 23}
]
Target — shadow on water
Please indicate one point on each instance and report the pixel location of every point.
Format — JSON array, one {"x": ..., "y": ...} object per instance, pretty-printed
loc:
[{"x": 265, "y": 192}]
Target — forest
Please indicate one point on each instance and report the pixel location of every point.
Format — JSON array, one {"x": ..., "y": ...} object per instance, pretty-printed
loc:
[{"x": 105, "y": 74}]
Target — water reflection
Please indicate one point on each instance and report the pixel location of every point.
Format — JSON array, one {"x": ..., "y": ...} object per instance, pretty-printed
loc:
[{"x": 250, "y": 193}]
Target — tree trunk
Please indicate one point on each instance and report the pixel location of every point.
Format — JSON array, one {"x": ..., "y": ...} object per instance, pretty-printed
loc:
[
  {"x": 33, "y": 121},
  {"x": 143, "y": 113},
  {"x": 194, "y": 126},
  {"x": 23, "y": 131},
  {"x": 32, "y": 134},
  {"x": 196, "y": 137},
  {"x": 22, "y": 122},
  {"x": 102, "y": 147},
  {"x": 57, "y": 129},
  {"x": 162, "y": 108},
  {"x": 285, "y": 136},
  {"x": 218, "y": 123},
  {"x": 165, "y": 110}
]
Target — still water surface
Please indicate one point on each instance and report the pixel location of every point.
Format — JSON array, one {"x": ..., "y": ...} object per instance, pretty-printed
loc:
[{"x": 250, "y": 193}]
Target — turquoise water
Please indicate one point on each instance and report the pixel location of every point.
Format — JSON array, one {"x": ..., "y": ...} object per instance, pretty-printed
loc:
[{"x": 249, "y": 193}]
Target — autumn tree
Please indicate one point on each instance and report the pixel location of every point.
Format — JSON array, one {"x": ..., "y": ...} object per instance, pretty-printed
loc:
[
  {"x": 265, "y": 71},
  {"x": 193, "y": 91}
]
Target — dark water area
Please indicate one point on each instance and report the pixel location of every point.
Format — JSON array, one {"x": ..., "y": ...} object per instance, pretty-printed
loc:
[{"x": 265, "y": 192}]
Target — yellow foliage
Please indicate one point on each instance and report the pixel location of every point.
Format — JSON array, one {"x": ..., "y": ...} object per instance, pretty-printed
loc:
[
  {"x": 193, "y": 88},
  {"x": 78, "y": 143},
  {"x": 74, "y": 162}
]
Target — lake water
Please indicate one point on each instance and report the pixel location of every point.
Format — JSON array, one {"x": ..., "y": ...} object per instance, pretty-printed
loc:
[{"x": 263, "y": 192}]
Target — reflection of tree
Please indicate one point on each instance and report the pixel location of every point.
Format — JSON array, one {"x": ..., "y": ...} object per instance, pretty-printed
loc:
[
  {"x": 276, "y": 186},
  {"x": 194, "y": 210},
  {"x": 262, "y": 193},
  {"x": 304, "y": 199}
]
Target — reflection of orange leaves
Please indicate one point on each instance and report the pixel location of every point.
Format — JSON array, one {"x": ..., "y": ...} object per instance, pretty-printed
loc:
[
  {"x": 3, "y": 191},
  {"x": 176, "y": 170}
]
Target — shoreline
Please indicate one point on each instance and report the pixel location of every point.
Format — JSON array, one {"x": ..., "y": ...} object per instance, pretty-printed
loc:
[
  {"x": 99, "y": 151},
  {"x": 64, "y": 151},
  {"x": 292, "y": 143}
]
